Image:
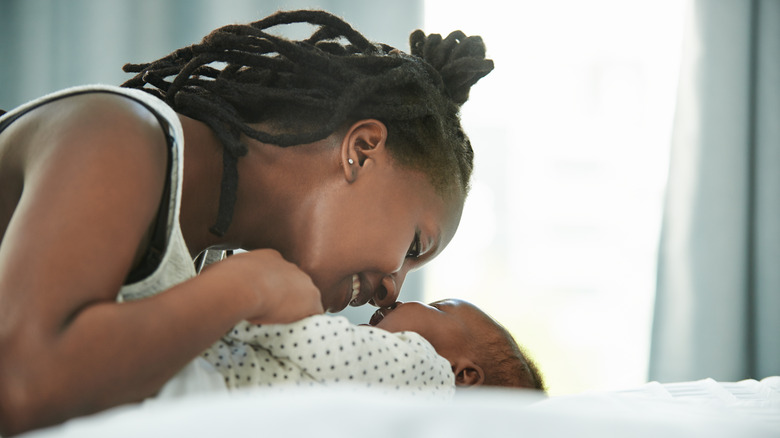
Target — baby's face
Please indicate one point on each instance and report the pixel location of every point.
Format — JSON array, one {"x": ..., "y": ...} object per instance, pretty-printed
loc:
[{"x": 449, "y": 325}]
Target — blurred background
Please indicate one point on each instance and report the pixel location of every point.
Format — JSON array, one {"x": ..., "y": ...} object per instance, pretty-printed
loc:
[{"x": 623, "y": 221}]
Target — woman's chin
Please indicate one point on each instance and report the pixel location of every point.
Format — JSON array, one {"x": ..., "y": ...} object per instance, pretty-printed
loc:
[{"x": 335, "y": 306}]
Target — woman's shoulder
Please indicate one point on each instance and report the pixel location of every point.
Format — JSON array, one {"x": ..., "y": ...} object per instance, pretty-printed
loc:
[
  {"x": 112, "y": 93},
  {"x": 85, "y": 171},
  {"x": 83, "y": 119},
  {"x": 108, "y": 108},
  {"x": 90, "y": 106},
  {"x": 89, "y": 140}
]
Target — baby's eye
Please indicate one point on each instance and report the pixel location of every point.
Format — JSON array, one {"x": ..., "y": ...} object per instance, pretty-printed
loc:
[{"x": 414, "y": 250}]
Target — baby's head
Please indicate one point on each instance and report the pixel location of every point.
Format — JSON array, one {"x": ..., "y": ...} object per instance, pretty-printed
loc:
[{"x": 481, "y": 351}]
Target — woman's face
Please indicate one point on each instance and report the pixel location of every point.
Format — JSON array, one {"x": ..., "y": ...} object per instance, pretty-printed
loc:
[{"x": 368, "y": 233}]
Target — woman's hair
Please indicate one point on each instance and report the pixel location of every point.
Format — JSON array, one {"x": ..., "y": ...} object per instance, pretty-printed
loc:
[{"x": 303, "y": 91}]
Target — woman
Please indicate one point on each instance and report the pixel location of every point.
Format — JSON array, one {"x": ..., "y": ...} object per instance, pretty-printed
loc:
[{"x": 100, "y": 207}]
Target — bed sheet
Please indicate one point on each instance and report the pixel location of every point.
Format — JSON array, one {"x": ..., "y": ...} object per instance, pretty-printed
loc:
[{"x": 743, "y": 409}]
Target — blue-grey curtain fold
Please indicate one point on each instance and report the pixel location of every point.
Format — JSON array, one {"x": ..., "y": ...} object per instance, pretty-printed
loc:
[{"x": 717, "y": 310}]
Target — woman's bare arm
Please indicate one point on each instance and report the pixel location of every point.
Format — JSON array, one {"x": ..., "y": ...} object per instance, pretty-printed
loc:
[{"x": 93, "y": 171}]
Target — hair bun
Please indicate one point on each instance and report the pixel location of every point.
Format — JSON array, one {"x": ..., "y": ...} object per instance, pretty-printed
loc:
[{"x": 460, "y": 60}]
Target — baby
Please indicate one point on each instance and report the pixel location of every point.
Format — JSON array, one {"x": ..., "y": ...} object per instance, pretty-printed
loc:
[{"x": 409, "y": 347}]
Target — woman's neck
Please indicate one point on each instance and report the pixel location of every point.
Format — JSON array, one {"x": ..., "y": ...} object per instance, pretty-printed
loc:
[
  {"x": 200, "y": 186},
  {"x": 274, "y": 190}
]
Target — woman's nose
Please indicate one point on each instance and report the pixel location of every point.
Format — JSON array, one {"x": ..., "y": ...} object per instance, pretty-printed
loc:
[{"x": 387, "y": 292}]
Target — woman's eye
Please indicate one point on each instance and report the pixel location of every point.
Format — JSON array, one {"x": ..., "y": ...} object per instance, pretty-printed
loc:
[{"x": 414, "y": 250}]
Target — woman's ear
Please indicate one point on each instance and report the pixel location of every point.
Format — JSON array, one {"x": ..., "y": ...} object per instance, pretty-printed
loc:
[
  {"x": 467, "y": 373},
  {"x": 365, "y": 140}
]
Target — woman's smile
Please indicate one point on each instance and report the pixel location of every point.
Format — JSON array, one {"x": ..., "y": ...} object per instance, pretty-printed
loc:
[
  {"x": 362, "y": 290},
  {"x": 355, "y": 288}
]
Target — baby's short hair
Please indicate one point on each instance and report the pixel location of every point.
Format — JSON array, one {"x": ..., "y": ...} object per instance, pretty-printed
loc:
[{"x": 506, "y": 363}]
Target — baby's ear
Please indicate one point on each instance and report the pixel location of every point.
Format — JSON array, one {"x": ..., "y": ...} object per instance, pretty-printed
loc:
[{"x": 467, "y": 373}]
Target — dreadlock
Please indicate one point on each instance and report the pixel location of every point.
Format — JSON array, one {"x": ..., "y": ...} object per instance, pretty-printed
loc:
[{"x": 240, "y": 75}]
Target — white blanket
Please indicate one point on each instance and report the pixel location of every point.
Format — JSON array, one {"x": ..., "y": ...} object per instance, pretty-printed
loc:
[{"x": 705, "y": 408}]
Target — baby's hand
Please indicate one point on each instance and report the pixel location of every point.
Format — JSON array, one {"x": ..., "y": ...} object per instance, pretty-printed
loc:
[{"x": 278, "y": 291}]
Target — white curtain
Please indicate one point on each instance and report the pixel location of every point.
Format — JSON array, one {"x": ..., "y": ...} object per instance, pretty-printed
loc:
[{"x": 718, "y": 298}]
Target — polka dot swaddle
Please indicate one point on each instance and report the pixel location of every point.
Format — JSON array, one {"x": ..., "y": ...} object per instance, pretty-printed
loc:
[{"x": 328, "y": 350}]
